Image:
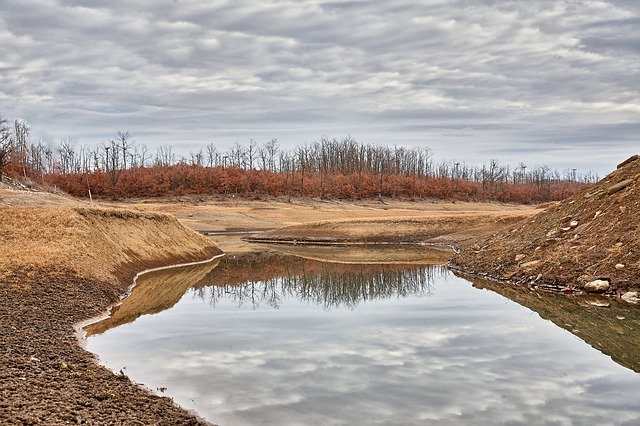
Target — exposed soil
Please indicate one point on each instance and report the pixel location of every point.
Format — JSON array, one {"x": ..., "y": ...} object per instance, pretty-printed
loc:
[
  {"x": 45, "y": 376},
  {"x": 62, "y": 262},
  {"x": 235, "y": 224},
  {"x": 588, "y": 239}
]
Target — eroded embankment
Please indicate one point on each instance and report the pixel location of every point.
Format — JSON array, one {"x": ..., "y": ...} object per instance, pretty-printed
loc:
[
  {"x": 587, "y": 243},
  {"x": 60, "y": 265}
]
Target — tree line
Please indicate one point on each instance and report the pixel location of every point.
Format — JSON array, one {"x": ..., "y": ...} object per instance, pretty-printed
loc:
[{"x": 327, "y": 168}]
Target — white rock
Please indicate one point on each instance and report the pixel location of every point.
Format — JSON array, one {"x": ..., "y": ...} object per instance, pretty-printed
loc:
[
  {"x": 631, "y": 297},
  {"x": 619, "y": 266},
  {"x": 519, "y": 257},
  {"x": 597, "y": 286},
  {"x": 599, "y": 303},
  {"x": 573, "y": 223}
]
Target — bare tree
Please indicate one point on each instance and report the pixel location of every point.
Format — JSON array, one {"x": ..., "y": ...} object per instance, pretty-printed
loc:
[
  {"x": 124, "y": 144},
  {"x": 6, "y": 144},
  {"x": 164, "y": 156}
]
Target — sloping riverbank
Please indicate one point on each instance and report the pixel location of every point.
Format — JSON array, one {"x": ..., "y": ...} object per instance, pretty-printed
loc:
[
  {"x": 61, "y": 265},
  {"x": 587, "y": 243}
]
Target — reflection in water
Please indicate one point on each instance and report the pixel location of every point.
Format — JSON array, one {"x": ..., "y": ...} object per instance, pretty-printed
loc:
[
  {"x": 613, "y": 329},
  {"x": 159, "y": 290},
  {"x": 281, "y": 340},
  {"x": 329, "y": 288},
  {"x": 154, "y": 292}
]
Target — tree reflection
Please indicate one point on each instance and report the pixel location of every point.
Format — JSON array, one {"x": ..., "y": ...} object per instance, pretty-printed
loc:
[{"x": 330, "y": 286}]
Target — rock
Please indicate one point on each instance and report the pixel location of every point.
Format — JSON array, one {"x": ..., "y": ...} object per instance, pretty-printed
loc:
[
  {"x": 599, "y": 303},
  {"x": 631, "y": 297},
  {"x": 597, "y": 286},
  {"x": 530, "y": 264},
  {"x": 620, "y": 317},
  {"x": 573, "y": 223},
  {"x": 619, "y": 266},
  {"x": 598, "y": 213},
  {"x": 519, "y": 257},
  {"x": 619, "y": 186}
]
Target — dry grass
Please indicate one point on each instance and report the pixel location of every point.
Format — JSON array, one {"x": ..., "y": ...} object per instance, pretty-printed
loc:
[{"x": 91, "y": 242}]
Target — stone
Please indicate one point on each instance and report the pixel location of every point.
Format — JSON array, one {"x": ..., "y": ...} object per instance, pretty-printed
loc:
[
  {"x": 573, "y": 223},
  {"x": 597, "y": 286},
  {"x": 599, "y": 303},
  {"x": 619, "y": 266},
  {"x": 519, "y": 257},
  {"x": 530, "y": 264},
  {"x": 631, "y": 297},
  {"x": 619, "y": 186}
]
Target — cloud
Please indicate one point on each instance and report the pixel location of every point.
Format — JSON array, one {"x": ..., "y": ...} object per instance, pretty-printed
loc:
[{"x": 512, "y": 74}]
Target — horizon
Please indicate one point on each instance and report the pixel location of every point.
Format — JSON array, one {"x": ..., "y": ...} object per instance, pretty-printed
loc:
[{"x": 544, "y": 83}]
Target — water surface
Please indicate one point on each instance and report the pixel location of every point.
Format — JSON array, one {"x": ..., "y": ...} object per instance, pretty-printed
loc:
[{"x": 294, "y": 341}]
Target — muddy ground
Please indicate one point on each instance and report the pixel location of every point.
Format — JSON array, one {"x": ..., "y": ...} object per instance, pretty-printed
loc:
[{"x": 46, "y": 377}]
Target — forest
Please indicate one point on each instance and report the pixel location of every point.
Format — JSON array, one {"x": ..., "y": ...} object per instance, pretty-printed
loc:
[{"x": 329, "y": 168}]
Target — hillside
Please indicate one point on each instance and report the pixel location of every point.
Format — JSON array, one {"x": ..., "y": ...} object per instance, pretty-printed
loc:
[{"x": 587, "y": 243}]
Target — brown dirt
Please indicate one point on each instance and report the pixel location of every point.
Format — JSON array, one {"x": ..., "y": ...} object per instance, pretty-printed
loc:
[
  {"x": 353, "y": 221},
  {"x": 46, "y": 377},
  {"x": 62, "y": 262},
  {"x": 592, "y": 235}
]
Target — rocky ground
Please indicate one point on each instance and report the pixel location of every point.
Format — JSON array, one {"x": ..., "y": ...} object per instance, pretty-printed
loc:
[
  {"x": 587, "y": 243},
  {"x": 46, "y": 377}
]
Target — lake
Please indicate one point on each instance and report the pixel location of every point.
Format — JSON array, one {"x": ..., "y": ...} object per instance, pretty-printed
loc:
[{"x": 274, "y": 339}]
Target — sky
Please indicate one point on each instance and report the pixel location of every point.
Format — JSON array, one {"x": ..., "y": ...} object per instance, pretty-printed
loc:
[{"x": 540, "y": 82}]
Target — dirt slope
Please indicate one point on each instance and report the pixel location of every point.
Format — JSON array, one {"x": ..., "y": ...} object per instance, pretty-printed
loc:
[
  {"x": 588, "y": 242},
  {"x": 93, "y": 242},
  {"x": 60, "y": 263}
]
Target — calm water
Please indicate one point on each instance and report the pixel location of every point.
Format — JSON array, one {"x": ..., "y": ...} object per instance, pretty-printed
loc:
[{"x": 311, "y": 343}]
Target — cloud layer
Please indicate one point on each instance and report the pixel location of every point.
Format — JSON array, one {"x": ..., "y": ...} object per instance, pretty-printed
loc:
[{"x": 536, "y": 81}]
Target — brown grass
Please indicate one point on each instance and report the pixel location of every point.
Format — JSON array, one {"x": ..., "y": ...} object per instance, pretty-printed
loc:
[{"x": 91, "y": 242}]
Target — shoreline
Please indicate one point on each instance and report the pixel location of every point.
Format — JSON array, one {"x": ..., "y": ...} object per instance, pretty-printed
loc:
[{"x": 79, "y": 326}]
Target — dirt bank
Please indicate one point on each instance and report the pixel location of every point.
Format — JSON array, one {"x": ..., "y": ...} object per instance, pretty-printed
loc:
[
  {"x": 61, "y": 264},
  {"x": 587, "y": 243},
  {"x": 230, "y": 221}
]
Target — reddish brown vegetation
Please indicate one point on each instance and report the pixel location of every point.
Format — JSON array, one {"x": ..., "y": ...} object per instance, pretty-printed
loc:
[{"x": 186, "y": 179}]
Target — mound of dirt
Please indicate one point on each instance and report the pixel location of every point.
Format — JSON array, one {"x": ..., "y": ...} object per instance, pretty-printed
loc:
[
  {"x": 587, "y": 243},
  {"x": 94, "y": 242}
]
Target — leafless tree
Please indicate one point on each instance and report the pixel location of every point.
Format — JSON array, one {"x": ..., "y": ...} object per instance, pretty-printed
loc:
[{"x": 6, "y": 144}]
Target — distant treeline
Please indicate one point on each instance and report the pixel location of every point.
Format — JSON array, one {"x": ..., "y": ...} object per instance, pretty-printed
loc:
[{"x": 329, "y": 168}]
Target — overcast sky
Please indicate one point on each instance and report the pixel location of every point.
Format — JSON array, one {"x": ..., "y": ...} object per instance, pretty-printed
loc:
[{"x": 543, "y": 82}]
